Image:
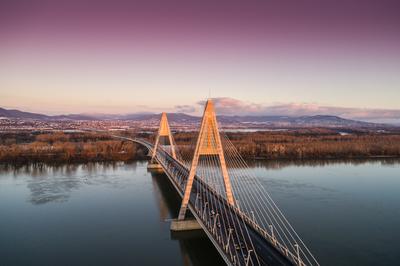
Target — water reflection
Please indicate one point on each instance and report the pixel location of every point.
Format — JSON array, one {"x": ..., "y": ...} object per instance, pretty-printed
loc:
[
  {"x": 43, "y": 169},
  {"x": 54, "y": 189},
  {"x": 292, "y": 183},
  {"x": 55, "y": 183},
  {"x": 97, "y": 185},
  {"x": 279, "y": 164},
  {"x": 347, "y": 211},
  {"x": 114, "y": 213}
]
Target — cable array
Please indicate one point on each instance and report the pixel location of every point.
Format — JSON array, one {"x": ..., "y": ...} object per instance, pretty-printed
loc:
[
  {"x": 231, "y": 204},
  {"x": 226, "y": 226},
  {"x": 254, "y": 201}
]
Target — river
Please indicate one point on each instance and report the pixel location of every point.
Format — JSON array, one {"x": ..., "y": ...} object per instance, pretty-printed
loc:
[{"x": 347, "y": 212}]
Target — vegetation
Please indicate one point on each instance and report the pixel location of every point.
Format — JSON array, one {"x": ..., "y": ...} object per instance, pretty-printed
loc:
[
  {"x": 90, "y": 147},
  {"x": 306, "y": 145},
  {"x": 60, "y": 147}
]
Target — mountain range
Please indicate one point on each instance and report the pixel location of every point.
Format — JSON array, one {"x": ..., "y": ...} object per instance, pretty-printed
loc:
[
  {"x": 12, "y": 113},
  {"x": 290, "y": 121}
]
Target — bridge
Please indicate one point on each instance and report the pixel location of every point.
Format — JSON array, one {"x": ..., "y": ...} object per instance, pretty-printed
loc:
[{"x": 231, "y": 206}]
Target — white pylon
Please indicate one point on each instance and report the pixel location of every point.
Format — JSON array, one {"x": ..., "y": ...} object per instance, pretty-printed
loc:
[
  {"x": 208, "y": 143},
  {"x": 163, "y": 131}
]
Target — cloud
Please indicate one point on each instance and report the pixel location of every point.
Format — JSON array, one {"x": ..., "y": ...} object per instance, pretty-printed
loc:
[
  {"x": 231, "y": 106},
  {"x": 185, "y": 109},
  {"x": 353, "y": 113}
]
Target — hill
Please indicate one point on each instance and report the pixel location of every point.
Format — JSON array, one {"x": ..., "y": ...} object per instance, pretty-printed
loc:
[{"x": 264, "y": 121}]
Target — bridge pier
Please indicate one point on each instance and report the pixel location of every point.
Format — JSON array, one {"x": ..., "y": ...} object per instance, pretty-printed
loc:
[
  {"x": 154, "y": 166},
  {"x": 185, "y": 225}
]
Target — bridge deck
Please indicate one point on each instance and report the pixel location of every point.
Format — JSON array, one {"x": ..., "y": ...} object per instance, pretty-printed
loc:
[{"x": 264, "y": 254}]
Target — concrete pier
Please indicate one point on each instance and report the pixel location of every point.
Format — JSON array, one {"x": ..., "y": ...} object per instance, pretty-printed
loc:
[
  {"x": 154, "y": 166},
  {"x": 185, "y": 225}
]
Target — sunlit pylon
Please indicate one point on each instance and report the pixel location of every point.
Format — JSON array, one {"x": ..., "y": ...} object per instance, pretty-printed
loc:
[
  {"x": 164, "y": 133},
  {"x": 208, "y": 143}
]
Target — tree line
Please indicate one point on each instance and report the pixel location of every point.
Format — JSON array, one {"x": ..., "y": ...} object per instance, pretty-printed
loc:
[
  {"x": 61, "y": 147},
  {"x": 294, "y": 145},
  {"x": 87, "y": 147}
]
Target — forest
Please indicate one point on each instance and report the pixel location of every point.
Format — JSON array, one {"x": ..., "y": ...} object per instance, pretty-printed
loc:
[
  {"x": 91, "y": 147},
  {"x": 61, "y": 147},
  {"x": 308, "y": 145}
]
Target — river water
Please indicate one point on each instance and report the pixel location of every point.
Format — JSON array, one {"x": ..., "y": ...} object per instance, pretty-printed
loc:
[{"x": 348, "y": 213}]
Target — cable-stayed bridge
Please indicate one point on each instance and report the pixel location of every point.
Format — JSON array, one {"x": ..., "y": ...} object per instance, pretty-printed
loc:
[{"x": 232, "y": 207}]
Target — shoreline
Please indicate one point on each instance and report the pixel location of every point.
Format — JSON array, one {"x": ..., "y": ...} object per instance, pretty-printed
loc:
[
  {"x": 248, "y": 160},
  {"x": 265, "y": 146}
]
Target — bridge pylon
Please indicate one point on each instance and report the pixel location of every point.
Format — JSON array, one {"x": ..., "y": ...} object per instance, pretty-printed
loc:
[
  {"x": 208, "y": 143},
  {"x": 164, "y": 137}
]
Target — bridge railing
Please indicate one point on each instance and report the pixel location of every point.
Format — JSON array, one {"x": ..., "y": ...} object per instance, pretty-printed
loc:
[{"x": 236, "y": 256}]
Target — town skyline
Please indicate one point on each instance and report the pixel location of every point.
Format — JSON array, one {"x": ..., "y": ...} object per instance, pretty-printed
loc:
[{"x": 234, "y": 107}]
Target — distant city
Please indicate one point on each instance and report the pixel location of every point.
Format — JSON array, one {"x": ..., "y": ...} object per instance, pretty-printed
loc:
[{"x": 15, "y": 120}]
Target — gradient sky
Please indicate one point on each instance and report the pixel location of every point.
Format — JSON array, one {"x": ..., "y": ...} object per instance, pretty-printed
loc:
[{"x": 129, "y": 56}]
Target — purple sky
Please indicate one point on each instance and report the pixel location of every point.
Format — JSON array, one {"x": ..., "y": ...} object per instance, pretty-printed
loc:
[{"x": 128, "y": 56}]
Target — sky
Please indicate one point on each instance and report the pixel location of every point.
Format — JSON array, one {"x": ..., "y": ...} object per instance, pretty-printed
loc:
[{"x": 337, "y": 57}]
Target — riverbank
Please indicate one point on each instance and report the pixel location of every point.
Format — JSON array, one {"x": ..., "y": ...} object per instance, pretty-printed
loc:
[
  {"x": 69, "y": 148},
  {"x": 94, "y": 147},
  {"x": 308, "y": 145}
]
